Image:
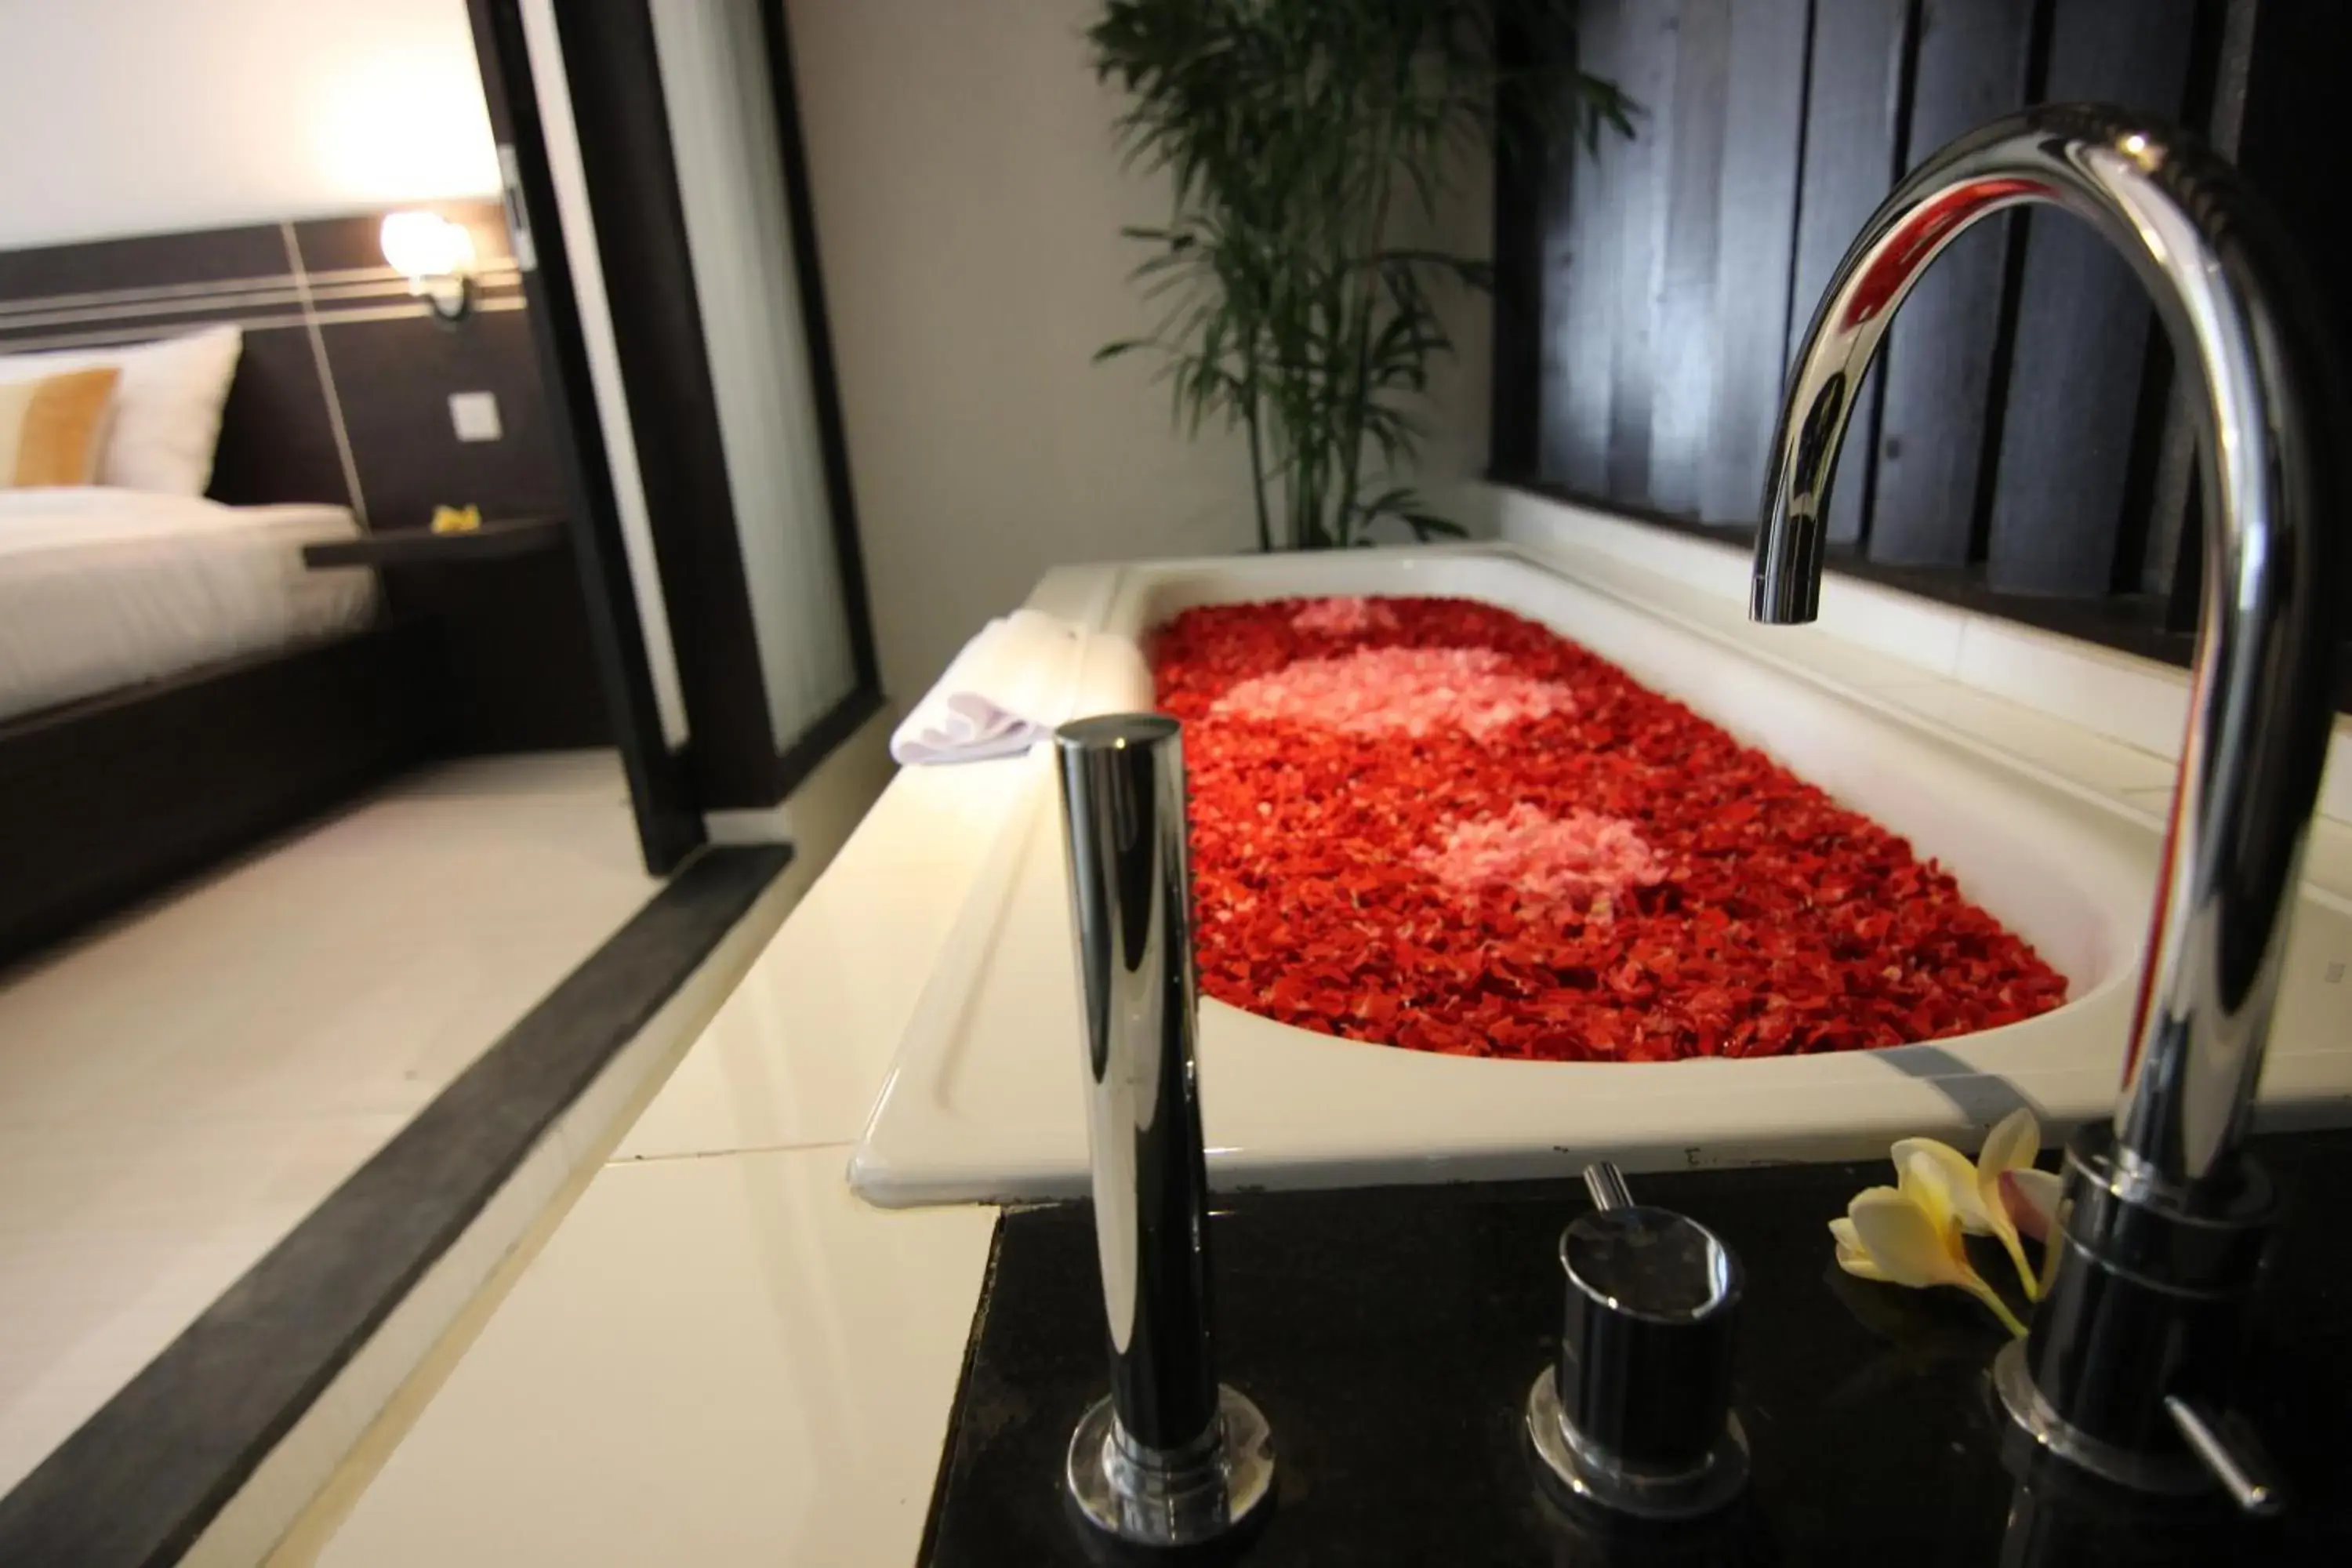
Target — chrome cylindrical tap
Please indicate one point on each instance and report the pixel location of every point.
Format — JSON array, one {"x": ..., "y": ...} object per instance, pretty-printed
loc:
[
  {"x": 1169, "y": 1457},
  {"x": 1635, "y": 1418},
  {"x": 2163, "y": 1222}
]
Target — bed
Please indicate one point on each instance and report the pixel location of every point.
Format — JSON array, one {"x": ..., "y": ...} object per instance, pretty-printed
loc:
[
  {"x": 104, "y": 589},
  {"x": 177, "y": 687},
  {"x": 113, "y": 799},
  {"x": 176, "y": 684}
]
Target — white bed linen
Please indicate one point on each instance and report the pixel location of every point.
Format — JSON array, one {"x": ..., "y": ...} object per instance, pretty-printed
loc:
[{"x": 103, "y": 588}]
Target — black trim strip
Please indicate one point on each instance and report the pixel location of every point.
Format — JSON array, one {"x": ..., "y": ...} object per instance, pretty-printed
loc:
[
  {"x": 138, "y": 1483},
  {"x": 943, "y": 1479}
]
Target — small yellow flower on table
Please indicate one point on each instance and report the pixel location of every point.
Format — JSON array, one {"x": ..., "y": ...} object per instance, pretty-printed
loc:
[{"x": 1915, "y": 1233}]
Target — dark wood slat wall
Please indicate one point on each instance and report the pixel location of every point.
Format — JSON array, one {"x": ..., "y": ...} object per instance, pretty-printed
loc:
[
  {"x": 1580, "y": 283},
  {"x": 2017, "y": 391},
  {"x": 1853, "y": 149},
  {"x": 1937, "y": 365},
  {"x": 1524, "y": 199},
  {"x": 1648, "y": 34},
  {"x": 1683, "y": 349},
  {"x": 1755, "y": 242},
  {"x": 2032, "y": 454},
  {"x": 2083, "y": 327},
  {"x": 2220, "y": 53}
]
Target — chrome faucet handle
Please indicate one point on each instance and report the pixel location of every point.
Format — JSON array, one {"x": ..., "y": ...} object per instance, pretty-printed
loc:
[
  {"x": 2226, "y": 1446},
  {"x": 1170, "y": 1457},
  {"x": 1635, "y": 1416},
  {"x": 1606, "y": 1183}
]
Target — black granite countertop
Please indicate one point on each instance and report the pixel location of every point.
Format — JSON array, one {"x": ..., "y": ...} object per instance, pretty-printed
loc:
[{"x": 1390, "y": 1335}]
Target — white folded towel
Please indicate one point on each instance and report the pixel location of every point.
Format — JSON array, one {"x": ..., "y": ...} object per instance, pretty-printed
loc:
[{"x": 1013, "y": 683}]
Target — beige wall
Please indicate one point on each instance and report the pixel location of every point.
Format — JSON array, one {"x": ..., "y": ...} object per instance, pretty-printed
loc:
[
  {"x": 144, "y": 116},
  {"x": 968, "y": 197}
]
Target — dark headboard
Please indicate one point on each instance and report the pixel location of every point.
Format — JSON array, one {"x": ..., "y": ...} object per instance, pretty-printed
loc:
[{"x": 333, "y": 343}]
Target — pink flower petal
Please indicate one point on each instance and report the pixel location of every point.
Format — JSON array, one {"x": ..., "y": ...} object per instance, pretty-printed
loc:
[
  {"x": 1349, "y": 615},
  {"x": 1398, "y": 691},
  {"x": 2031, "y": 1199},
  {"x": 1568, "y": 859}
]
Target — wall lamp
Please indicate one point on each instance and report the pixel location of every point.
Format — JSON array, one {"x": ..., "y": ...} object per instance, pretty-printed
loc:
[{"x": 436, "y": 256}]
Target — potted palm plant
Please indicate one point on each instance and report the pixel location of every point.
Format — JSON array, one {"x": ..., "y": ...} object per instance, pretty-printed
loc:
[{"x": 1300, "y": 136}]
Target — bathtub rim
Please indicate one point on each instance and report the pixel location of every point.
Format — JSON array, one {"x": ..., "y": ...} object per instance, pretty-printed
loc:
[{"x": 899, "y": 1165}]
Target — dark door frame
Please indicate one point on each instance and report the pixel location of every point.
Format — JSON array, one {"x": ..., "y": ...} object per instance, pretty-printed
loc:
[
  {"x": 621, "y": 118},
  {"x": 810, "y": 269},
  {"x": 668, "y": 816},
  {"x": 818, "y": 332}
]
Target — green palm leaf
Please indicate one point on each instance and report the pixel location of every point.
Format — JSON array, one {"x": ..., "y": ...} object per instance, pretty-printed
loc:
[{"x": 1297, "y": 135}]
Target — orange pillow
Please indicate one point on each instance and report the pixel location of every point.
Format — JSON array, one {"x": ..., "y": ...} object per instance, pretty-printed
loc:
[{"x": 50, "y": 429}]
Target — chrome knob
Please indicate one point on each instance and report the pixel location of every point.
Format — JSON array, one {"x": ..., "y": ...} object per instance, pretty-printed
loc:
[
  {"x": 2226, "y": 1447},
  {"x": 1635, "y": 1418}
]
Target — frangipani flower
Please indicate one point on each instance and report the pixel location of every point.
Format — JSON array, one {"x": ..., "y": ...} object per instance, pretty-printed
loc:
[
  {"x": 1911, "y": 1233},
  {"x": 2030, "y": 1197},
  {"x": 2030, "y": 1200},
  {"x": 1977, "y": 1193}
]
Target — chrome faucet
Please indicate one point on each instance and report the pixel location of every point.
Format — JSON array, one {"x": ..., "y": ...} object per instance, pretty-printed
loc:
[
  {"x": 1170, "y": 1457},
  {"x": 2128, "y": 1367}
]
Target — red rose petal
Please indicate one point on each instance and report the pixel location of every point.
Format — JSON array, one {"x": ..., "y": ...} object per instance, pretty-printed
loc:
[{"x": 1628, "y": 883}]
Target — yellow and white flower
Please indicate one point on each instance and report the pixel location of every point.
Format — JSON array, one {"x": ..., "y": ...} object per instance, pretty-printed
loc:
[
  {"x": 2030, "y": 1198},
  {"x": 1915, "y": 1233},
  {"x": 1977, "y": 1189}
]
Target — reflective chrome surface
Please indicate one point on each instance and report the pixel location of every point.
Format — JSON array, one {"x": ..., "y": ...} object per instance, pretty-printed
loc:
[
  {"x": 1607, "y": 1184},
  {"x": 2238, "y": 308},
  {"x": 1594, "y": 1476},
  {"x": 2012, "y": 1380},
  {"x": 2228, "y": 1448},
  {"x": 1166, "y": 1460},
  {"x": 1171, "y": 1499},
  {"x": 2261, "y": 711},
  {"x": 1635, "y": 1416}
]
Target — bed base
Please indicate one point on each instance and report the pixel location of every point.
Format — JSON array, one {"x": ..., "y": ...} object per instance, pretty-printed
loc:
[{"x": 111, "y": 800}]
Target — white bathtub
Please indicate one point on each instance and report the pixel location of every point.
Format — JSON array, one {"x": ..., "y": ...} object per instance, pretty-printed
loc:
[{"x": 983, "y": 1101}]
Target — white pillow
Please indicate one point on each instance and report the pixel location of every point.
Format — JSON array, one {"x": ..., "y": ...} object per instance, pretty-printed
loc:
[{"x": 167, "y": 405}]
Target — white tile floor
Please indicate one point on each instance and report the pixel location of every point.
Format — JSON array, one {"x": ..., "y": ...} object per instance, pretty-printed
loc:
[
  {"x": 826, "y": 1343},
  {"x": 177, "y": 1090},
  {"x": 795, "y": 1057}
]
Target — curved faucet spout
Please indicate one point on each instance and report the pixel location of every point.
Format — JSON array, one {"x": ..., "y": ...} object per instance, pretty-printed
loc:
[{"x": 2242, "y": 320}]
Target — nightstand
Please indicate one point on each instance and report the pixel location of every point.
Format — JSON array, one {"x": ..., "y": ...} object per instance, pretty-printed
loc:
[
  {"x": 515, "y": 669},
  {"x": 507, "y": 536}
]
